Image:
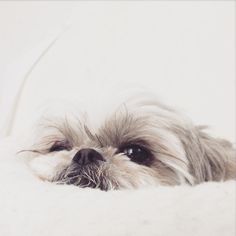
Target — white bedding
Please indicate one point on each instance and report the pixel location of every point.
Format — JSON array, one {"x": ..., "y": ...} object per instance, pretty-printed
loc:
[
  {"x": 31, "y": 207},
  {"x": 166, "y": 62}
]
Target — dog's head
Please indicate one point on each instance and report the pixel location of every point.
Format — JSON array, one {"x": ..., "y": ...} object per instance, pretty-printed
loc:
[{"x": 142, "y": 143}]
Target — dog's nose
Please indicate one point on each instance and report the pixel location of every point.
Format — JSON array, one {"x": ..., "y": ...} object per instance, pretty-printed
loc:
[{"x": 87, "y": 156}]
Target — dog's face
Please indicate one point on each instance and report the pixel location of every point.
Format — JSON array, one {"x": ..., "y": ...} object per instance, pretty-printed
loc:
[
  {"x": 133, "y": 147},
  {"x": 140, "y": 144}
]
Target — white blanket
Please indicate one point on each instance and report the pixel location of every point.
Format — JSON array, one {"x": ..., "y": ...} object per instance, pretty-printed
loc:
[
  {"x": 136, "y": 50},
  {"x": 31, "y": 207}
]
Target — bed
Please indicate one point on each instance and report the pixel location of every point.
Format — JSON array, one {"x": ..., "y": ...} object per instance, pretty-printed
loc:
[{"x": 30, "y": 206}]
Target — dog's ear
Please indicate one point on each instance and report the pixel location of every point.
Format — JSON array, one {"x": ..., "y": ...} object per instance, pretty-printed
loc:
[
  {"x": 210, "y": 159},
  {"x": 219, "y": 158}
]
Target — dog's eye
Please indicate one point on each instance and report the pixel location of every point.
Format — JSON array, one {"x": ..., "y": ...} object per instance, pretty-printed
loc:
[
  {"x": 137, "y": 154},
  {"x": 60, "y": 146}
]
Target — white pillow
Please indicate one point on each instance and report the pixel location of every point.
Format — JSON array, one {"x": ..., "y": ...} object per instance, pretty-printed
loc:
[{"x": 109, "y": 49}]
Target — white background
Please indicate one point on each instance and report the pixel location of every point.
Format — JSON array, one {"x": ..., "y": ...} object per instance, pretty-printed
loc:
[{"x": 182, "y": 50}]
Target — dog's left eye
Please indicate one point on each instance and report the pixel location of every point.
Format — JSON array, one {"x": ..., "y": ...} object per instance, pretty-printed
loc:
[
  {"x": 60, "y": 146},
  {"x": 137, "y": 154}
]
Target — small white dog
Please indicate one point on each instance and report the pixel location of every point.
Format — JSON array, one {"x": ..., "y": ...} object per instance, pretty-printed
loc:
[{"x": 142, "y": 143}]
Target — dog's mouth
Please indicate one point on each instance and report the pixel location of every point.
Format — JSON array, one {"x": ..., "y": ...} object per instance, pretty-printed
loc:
[{"x": 88, "y": 176}]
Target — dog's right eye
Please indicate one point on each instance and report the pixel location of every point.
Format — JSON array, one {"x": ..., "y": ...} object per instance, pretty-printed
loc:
[
  {"x": 137, "y": 154},
  {"x": 60, "y": 146}
]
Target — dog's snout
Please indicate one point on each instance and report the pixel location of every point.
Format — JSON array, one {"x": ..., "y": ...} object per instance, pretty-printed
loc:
[{"x": 87, "y": 156}]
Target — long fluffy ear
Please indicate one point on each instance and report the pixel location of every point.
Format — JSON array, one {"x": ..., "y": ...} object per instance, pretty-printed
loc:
[
  {"x": 210, "y": 159},
  {"x": 219, "y": 158}
]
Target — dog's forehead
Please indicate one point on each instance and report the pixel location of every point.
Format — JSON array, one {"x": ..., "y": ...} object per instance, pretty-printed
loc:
[
  {"x": 121, "y": 128},
  {"x": 124, "y": 122}
]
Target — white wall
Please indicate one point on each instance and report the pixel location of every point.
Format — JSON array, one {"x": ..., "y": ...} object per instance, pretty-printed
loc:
[{"x": 184, "y": 51}]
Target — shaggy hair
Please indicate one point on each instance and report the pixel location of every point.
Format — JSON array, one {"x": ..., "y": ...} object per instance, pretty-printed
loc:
[{"x": 143, "y": 143}]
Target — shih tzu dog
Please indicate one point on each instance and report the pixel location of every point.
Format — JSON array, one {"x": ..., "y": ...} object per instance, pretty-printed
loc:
[{"x": 141, "y": 143}]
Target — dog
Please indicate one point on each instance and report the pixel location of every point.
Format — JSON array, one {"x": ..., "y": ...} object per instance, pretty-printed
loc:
[{"x": 141, "y": 143}]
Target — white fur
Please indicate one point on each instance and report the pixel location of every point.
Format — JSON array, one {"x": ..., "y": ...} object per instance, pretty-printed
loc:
[{"x": 183, "y": 154}]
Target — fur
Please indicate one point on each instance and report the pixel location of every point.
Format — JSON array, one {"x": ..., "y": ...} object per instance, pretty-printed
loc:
[{"x": 181, "y": 152}]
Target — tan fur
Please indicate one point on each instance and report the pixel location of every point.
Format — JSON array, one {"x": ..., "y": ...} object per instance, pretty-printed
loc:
[{"x": 184, "y": 153}]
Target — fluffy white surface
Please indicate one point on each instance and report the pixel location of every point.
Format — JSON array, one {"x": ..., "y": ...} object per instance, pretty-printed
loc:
[
  {"x": 179, "y": 64},
  {"x": 29, "y": 206}
]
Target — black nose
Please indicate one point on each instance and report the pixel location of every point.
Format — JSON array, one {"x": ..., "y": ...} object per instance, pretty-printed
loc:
[{"x": 87, "y": 156}]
